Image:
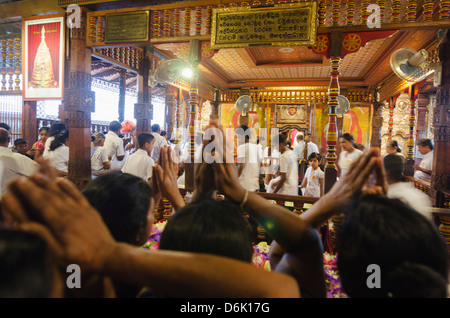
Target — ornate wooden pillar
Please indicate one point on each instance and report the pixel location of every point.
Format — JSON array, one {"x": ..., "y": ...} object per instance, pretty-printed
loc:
[
  {"x": 193, "y": 102},
  {"x": 79, "y": 102},
  {"x": 171, "y": 105},
  {"x": 143, "y": 111},
  {"x": 333, "y": 93},
  {"x": 422, "y": 104},
  {"x": 440, "y": 176},
  {"x": 29, "y": 126},
  {"x": 409, "y": 166},
  {"x": 377, "y": 122},
  {"x": 122, "y": 91},
  {"x": 215, "y": 105}
]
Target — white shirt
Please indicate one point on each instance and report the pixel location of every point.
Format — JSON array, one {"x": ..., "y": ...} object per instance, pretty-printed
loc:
[
  {"x": 288, "y": 165},
  {"x": 139, "y": 164},
  {"x": 98, "y": 158},
  {"x": 59, "y": 158},
  {"x": 160, "y": 142},
  {"x": 300, "y": 149},
  {"x": 313, "y": 182},
  {"x": 114, "y": 148},
  {"x": 250, "y": 156},
  {"x": 47, "y": 147},
  {"x": 271, "y": 187},
  {"x": 426, "y": 163},
  {"x": 270, "y": 161},
  {"x": 406, "y": 192},
  {"x": 14, "y": 165},
  {"x": 346, "y": 159}
]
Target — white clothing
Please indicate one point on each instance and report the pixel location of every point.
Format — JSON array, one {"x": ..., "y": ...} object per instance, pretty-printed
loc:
[
  {"x": 288, "y": 165},
  {"x": 270, "y": 161},
  {"x": 250, "y": 157},
  {"x": 139, "y": 164},
  {"x": 409, "y": 194},
  {"x": 271, "y": 187},
  {"x": 14, "y": 165},
  {"x": 300, "y": 149},
  {"x": 346, "y": 159},
  {"x": 98, "y": 158},
  {"x": 426, "y": 163},
  {"x": 160, "y": 142},
  {"x": 313, "y": 182},
  {"x": 47, "y": 147},
  {"x": 59, "y": 158},
  {"x": 114, "y": 148}
]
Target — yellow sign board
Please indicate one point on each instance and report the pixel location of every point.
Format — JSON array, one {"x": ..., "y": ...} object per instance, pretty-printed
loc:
[
  {"x": 293, "y": 24},
  {"x": 127, "y": 27}
]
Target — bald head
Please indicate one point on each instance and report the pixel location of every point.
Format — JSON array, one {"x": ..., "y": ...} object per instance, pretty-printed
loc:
[{"x": 4, "y": 137}]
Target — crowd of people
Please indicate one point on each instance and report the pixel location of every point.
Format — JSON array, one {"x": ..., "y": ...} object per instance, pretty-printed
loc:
[{"x": 206, "y": 247}]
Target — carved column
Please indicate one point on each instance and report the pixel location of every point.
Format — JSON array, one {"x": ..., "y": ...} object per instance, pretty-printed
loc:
[
  {"x": 79, "y": 102},
  {"x": 29, "y": 127},
  {"x": 143, "y": 111},
  {"x": 171, "y": 105},
  {"x": 422, "y": 103},
  {"x": 122, "y": 91},
  {"x": 333, "y": 93},
  {"x": 440, "y": 177},
  {"x": 409, "y": 166},
  {"x": 193, "y": 102},
  {"x": 215, "y": 105},
  {"x": 377, "y": 123}
]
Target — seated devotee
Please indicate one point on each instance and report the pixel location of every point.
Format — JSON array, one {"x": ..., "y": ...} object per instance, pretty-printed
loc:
[
  {"x": 13, "y": 165},
  {"x": 424, "y": 169},
  {"x": 288, "y": 183},
  {"x": 56, "y": 128},
  {"x": 349, "y": 153},
  {"x": 314, "y": 177},
  {"x": 58, "y": 153},
  {"x": 125, "y": 203},
  {"x": 99, "y": 157},
  {"x": 39, "y": 145},
  {"x": 249, "y": 158},
  {"x": 114, "y": 145},
  {"x": 140, "y": 163},
  {"x": 21, "y": 146},
  {"x": 296, "y": 257},
  {"x": 398, "y": 188},
  {"x": 28, "y": 268}
]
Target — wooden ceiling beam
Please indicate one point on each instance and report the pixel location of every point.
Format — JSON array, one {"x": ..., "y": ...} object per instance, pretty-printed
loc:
[{"x": 28, "y": 8}]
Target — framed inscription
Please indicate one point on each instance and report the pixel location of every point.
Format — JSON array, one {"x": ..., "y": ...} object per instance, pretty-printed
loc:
[
  {"x": 292, "y": 24},
  {"x": 127, "y": 27},
  {"x": 291, "y": 114}
]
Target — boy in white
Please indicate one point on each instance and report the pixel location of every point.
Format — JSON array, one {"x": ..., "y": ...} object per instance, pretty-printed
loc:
[
  {"x": 114, "y": 145},
  {"x": 288, "y": 183},
  {"x": 249, "y": 158},
  {"x": 276, "y": 178},
  {"x": 313, "y": 180},
  {"x": 140, "y": 163}
]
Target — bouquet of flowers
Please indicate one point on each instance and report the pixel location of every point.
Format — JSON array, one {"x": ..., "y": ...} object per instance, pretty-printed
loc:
[
  {"x": 261, "y": 255},
  {"x": 155, "y": 235},
  {"x": 334, "y": 287}
]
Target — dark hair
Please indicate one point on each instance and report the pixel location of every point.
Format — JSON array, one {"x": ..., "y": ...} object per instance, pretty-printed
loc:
[
  {"x": 115, "y": 125},
  {"x": 59, "y": 140},
  {"x": 163, "y": 133},
  {"x": 56, "y": 128},
  {"x": 4, "y": 135},
  {"x": 315, "y": 155},
  {"x": 409, "y": 250},
  {"x": 243, "y": 130},
  {"x": 425, "y": 143},
  {"x": 26, "y": 265},
  {"x": 5, "y": 126},
  {"x": 394, "y": 144},
  {"x": 282, "y": 139},
  {"x": 299, "y": 136},
  {"x": 393, "y": 165},
  {"x": 144, "y": 138},
  {"x": 20, "y": 141},
  {"x": 123, "y": 201},
  {"x": 155, "y": 128},
  {"x": 348, "y": 137},
  {"x": 44, "y": 128},
  {"x": 209, "y": 226}
]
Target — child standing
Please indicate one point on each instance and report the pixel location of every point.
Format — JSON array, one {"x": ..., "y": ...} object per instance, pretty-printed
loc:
[
  {"x": 140, "y": 163},
  {"x": 314, "y": 176}
]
